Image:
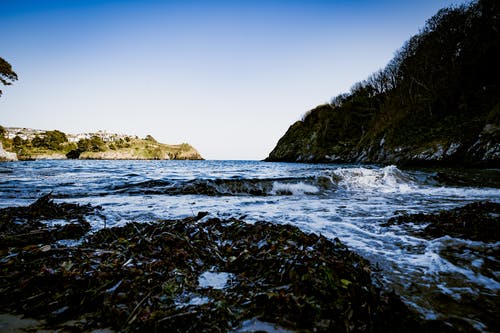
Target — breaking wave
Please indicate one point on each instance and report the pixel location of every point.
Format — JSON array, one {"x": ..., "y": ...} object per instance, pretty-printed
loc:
[
  {"x": 223, "y": 187},
  {"x": 388, "y": 179}
]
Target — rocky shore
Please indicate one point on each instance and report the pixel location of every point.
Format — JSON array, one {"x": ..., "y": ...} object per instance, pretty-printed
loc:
[{"x": 189, "y": 275}]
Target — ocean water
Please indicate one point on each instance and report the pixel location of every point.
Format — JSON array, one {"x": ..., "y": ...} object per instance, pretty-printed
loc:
[{"x": 442, "y": 278}]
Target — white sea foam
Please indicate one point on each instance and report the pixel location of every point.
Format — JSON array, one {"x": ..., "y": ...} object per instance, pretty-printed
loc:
[
  {"x": 215, "y": 280},
  {"x": 388, "y": 179},
  {"x": 256, "y": 325},
  {"x": 293, "y": 188},
  {"x": 198, "y": 300},
  {"x": 189, "y": 299}
]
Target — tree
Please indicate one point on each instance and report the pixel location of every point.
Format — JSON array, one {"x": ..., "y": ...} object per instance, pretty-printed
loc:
[
  {"x": 84, "y": 145},
  {"x": 7, "y": 75},
  {"x": 54, "y": 139},
  {"x": 97, "y": 144},
  {"x": 17, "y": 141},
  {"x": 94, "y": 144},
  {"x": 37, "y": 142}
]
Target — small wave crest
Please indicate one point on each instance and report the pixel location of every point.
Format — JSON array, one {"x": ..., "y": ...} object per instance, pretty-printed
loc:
[
  {"x": 6, "y": 170},
  {"x": 293, "y": 189}
]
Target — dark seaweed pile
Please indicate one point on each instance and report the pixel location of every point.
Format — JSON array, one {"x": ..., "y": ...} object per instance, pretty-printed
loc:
[
  {"x": 478, "y": 221},
  {"x": 145, "y": 277},
  {"x": 23, "y": 225}
]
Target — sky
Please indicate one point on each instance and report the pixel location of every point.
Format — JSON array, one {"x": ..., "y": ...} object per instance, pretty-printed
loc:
[{"x": 228, "y": 77}]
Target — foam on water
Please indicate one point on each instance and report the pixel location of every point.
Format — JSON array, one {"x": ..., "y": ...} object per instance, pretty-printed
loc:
[
  {"x": 215, "y": 280},
  {"x": 294, "y": 189},
  {"x": 386, "y": 180},
  {"x": 256, "y": 325}
]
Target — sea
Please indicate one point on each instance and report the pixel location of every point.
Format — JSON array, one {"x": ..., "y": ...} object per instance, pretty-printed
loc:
[{"x": 441, "y": 278}]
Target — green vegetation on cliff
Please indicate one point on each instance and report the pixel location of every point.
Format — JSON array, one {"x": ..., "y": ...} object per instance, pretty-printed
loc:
[
  {"x": 134, "y": 148},
  {"x": 34, "y": 144},
  {"x": 436, "y": 102}
]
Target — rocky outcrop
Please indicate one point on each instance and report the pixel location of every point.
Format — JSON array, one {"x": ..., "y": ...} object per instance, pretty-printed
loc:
[
  {"x": 302, "y": 143},
  {"x": 5, "y": 155},
  {"x": 478, "y": 149}
]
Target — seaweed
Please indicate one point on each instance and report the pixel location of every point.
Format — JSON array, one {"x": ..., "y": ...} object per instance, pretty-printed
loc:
[
  {"x": 148, "y": 277},
  {"x": 23, "y": 225},
  {"x": 479, "y": 221}
]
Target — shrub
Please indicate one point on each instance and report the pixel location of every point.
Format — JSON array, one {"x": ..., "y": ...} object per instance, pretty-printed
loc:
[
  {"x": 17, "y": 141},
  {"x": 94, "y": 144}
]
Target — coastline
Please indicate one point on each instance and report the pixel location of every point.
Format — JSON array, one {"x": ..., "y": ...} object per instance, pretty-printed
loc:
[
  {"x": 27, "y": 144},
  {"x": 57, "y": 157}
]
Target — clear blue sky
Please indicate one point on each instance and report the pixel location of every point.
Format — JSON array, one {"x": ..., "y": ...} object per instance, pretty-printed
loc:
[{"x": 228, "y": 77}]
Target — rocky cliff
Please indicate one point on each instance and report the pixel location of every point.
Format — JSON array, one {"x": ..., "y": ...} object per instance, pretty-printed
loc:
[
  {"x": 436, "y": 103},
  {"x": 5, "y": 155},
  {"x": 326, "y": 141},
  {"x": 149, "y": 151}
]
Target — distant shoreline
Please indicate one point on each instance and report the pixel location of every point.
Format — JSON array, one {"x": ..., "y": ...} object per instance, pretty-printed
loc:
[{"x": 27, "y": 144}]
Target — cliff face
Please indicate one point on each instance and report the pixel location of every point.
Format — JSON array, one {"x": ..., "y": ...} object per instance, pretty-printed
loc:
[
  {"x": 303, "y": 143},
  {"x": 436, "y": 103},
  {"x": 156, "y": 151},
  {"x": 5, "y": 155}
]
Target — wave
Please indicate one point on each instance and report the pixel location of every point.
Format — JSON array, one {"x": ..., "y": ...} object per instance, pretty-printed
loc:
[
  {"x": 388, "y": 179},
  {"x": 6, "y": 170},
  {"x": 223, "y": 187},
  {"x": 325, "y": 182}
]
